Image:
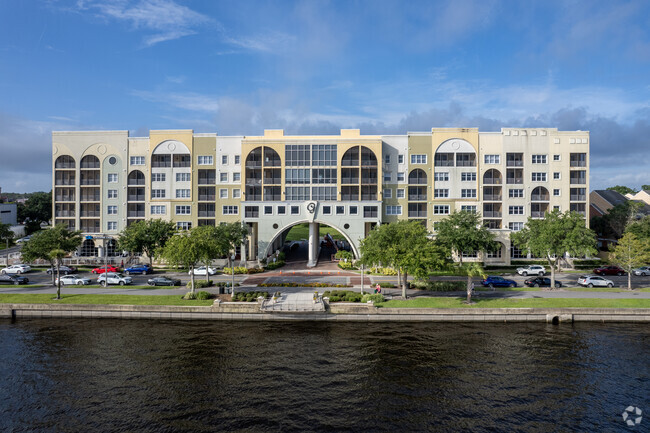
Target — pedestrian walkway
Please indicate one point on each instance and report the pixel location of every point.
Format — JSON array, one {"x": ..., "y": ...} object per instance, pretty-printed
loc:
[{"x": 296, "y": 302}]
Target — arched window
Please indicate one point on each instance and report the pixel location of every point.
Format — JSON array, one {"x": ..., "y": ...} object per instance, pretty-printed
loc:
[
  {"x": 64, "y": 161},
  {"x": 492, "y": 177},
  {"x": 88, "y": 248},
  {"x": 368, "y": 157},
  {"x": 417, "y": 177},
  {"x": 136, "y": 177},
  {"x": 540, "y": 194},
  {"x": 89, "y": 161}
]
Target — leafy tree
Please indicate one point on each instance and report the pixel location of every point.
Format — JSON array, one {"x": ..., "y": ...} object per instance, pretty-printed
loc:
[
  {"x": 645, "y": 187},
  {"x": 404, "y": 246},
  {"x": 52, "y": 245},
  {"x": 211, "y": 244},
  {"x": 558, "y": 233},
  {"x": 146, "y": 237},
  {"x": 233, "y": 235},
  {"x": 630, "y": 252},
  {"x": 622, "y": 189},
  {"x": 470, "y": 270},
  {"x": 185, "y": 250},
  {"x": 640, "y": 228},
  {"x": 621, "y": 215},
  {"x": 464, "y": 232},
  {"x": 5, "y": 233},
  {"x": 36, "y": 210}
]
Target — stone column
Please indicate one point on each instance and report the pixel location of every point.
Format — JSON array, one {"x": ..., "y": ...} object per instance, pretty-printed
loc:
[{"x": 314, "y": 229}]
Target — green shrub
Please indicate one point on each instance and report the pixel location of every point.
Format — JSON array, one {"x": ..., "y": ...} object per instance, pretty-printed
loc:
[
  {"x": 274, "y": 265},
  {"x": 200, "y": 284},
  {"x": 251, "y": 270},
  {"x": 189, "y": 296},
  {"x": 342, "y": 255},
  {"x": 377, "y": 297},
  {"x": 282, "y": 256},
  {"x": 249, "y": 296},
  {"x": 346, "y": 265},
  {"x": 439, "y": 286},
  {"x": 334, "y": 299},
  {"x": 203, "y": 295}
]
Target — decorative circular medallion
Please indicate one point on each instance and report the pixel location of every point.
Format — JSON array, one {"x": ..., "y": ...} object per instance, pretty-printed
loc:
[
  {"x": 311, "y": 207},
  {"x": 275, "y": 226},
  {"x": 171, "y": 146},
  {"x": 346, "y": 226},
  {"x": 101, "y": 149},
  {"x": 112, "y": 160},
  {"x": 455, "y": 145}
]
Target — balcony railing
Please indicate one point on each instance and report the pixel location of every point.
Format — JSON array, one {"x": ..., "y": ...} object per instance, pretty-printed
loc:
[
  {"x": 206, "y": 213},
  {"x": 90, "y": 213},
  {"x": 253, "y": 197},
  {"x": 348, "y": 197},
  {"x": 207, "y": 197},
  {"x": 65, "y": 214},
  {"x": 515, "y": 180},
  {"x": 578, "y": 164},
  {"x": 578, "y": 181},
  {"x": 272, "y": 180},
  {"x": 537, "y": 214},
  {"x": 250, "y": 181},
  {"x": 368, "y": 197},
  {"x": 492, "y": 197},
  {"x": 417, "y": 197},
  {"x": 443, "y": 163},
  {"x": 514, "y": 163},
  {"x": 61, "y": 197},
  {"x": 540, "y": 197},
  {"x": 254, "y": 164},
  {"x": 139, "y": 197},
  {"x": 90, "y": 197},
  {"x": 417, "y": 214},
  {"x": 368, "y": 181},
  {"x": 491, "y": 214},
  {"x": 349, "y": 180},
  {"x": 64, "y": 181},
  {"x": 272, "y": 197},
  {"x": 579, "y": 197},
  {"x": 135, "y": 214},
  {"x": 492, "y": 181}
]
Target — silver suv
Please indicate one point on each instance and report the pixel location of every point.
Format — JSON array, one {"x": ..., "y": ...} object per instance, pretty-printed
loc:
[
  {"x": 114, "y": 278},
  {"x": 532, "y": 270}
]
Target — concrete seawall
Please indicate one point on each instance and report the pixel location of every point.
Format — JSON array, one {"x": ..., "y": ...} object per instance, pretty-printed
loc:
[{"x": 336, "y": 312}]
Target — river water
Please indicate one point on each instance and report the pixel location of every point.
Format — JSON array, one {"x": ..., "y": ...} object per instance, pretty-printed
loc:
[{"x": 157, "y": 376}]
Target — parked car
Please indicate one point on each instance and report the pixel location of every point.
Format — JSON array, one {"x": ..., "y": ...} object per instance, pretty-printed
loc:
[
  {"x": 102, "y": 269},
  {"x": 496, "y": 281},
  {"x": 532, "y": 270},
  {"x": 609, "y": 270},
  {"x": 163, "y": 281},
  {"x": 643, "y": 270},
  {"x": 114, "y": 278},
  {"x": 138, "y": 269},
  {"x": 591, "y": 281},
  {"x": 201, "y": 271},
  {"x": 13, "y": 279},
  {"x": 541, "y": 282},
  {"x": 22, "y": 240},
  {"x": 65, "y": 270},
  {"x": 73, "y": 280},
  {"x": 16, "y": 269}
]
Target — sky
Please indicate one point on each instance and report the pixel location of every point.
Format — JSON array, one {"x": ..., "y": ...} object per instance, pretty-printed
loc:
[{"x": 314, "y": 67}]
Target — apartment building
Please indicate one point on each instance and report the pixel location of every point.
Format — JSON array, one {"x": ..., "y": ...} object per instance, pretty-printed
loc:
[{"x": 105, "y": 180}]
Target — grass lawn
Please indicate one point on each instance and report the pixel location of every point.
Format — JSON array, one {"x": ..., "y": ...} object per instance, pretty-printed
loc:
[
  {"x": 301, "y": 231},
  {"x": 517, "y": 303},
  {"x": 101, "y": 299}
]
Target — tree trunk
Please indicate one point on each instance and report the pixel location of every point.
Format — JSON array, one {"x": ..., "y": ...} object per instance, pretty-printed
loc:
[
  {"x": 58, "y": 276},
  {"x": 192, "y": 278},
  {"x": 469, "y": 289},
  {"x": 207, "y": 272},
  {"x": 53, "y": 266},
  {"x": 629, "y": 279},
  {"x": 551, "y": 265},
  {"x": 399, "y": 278},
  {"x": 404, "y": 284}
]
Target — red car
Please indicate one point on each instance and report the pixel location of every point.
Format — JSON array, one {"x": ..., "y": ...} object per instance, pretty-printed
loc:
[
  {"x": 102, "y": 269},
  {"x": 609, "y": 270}
]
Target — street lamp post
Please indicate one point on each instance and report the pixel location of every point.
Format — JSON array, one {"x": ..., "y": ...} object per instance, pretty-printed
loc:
[
  {"x": 232, "y": 268},
  {"x": 104, "y": 238},
  {"x": 362, "y": 279}
]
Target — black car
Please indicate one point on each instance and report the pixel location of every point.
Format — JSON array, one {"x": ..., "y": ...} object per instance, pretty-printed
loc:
[
  {"x": 541, "y": 282},
  {"x": 163, "y": 281},
  {"x": 64, "y": 270},
  {"x": 13, "y": 279}
]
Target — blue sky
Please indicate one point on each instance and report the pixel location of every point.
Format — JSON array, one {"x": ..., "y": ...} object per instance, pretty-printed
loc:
[{"x": 239, "y": 67}]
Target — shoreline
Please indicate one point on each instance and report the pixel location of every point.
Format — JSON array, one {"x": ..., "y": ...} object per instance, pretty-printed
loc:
[{"x": 338, "y": 312}]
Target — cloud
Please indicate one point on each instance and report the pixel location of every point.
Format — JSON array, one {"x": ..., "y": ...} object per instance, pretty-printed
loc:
[
  {"x": 187, "y": 101},
  {"x": 167, "y": 19}
]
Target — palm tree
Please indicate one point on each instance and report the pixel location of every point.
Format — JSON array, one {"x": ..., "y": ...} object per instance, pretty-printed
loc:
[{"x": 57, "y": 256}]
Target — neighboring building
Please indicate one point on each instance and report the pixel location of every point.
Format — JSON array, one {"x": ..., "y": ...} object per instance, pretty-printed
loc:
[
  {"x": 105, "y": 180},
  {"x": 602, "y": 200},
  {"x": 643, "y": 195},
  {"x": 8, "y": 213}
]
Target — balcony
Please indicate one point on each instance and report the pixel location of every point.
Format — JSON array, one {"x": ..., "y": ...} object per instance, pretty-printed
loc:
[
  {"x": 492, "y": 181},
  {"x": 253, "y": 197},
  {"x": 515, "y": 180},
  {"x": 65, "y": 214},
  {"x": 369, "y": 181},
  {"x": 491, "y": 214},
  {"x": 369, "y": 197},
  {"x": 90, "y": 214},
  {"x": 417, "y": 197},
  {"x": 514, "y": 163},
  {"x": 89, "y": 197},
  {"x": 135, "y": 214},
  {"x": 492, "y": 224},
  {"x": 578, "y": 181},
  {"x": 250, "y": 181},
  {"x": 349, "y": 180},
  {"x": 206, "y": 213},
  {"x": 272, "y": 181},
  {"x": 492, "y": 197},
  {"x": 540, "y": 197},
  {"x": 207, "y": 197},
  {"x": 253, "y": 164},
  {"x": 578, "y": 197},
  {"x": 350, "y": 197},
  {"x": 417, "y": 214},
  {"x": 136, "y": 197},
  {"x": 370, "y": 211},
  {"x": 537, "y": 214}
]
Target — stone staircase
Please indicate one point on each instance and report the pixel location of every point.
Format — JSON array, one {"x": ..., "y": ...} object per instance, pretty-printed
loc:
[{"x": 294, "y": 302}]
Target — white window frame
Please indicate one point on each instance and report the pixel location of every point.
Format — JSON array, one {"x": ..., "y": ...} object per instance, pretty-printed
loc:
[
  {"x": 112, "y": 193},
  {"x": 539, "y": 159},
  {"x": 515, "y": 226},
  {"x": 388, "y": 193},
  {"x": 387, "y": 159},
  {"x": 515, "y": 210},
  {"x": 111, "y": 225},
  {"x": 468, "y": 176},
  {"x": 223, "y": 177},
  {"x": 158, "y": 209},
  {"x": 183, "y": 177},
  {"x": 183, "y": 193},
  {"x": 492, "y": 159},
  {"x": 236, "y": 177},
  {"x": 441, "y": 209},
  {"x": 419, "y": 158},
  {"x": 558, "y": 191},
  {"x": 158, "y": 193},
  {"x": 111, "y": 210},
  {"x": 205, "y": 160},
  {"x": 388, "y": 176},
  {"x": 230, "y": 210},
  {"x": 224, "y": 159},
  {"x": 393, "y": 210},
  {"x": 538, "y": 176},
  {"x": 158, "y": 177},
  {"x": 400, "y": 159},
  {"x": 468, "y": 193},
  {"x": 183, "y": 225},
  {"x": 182, "y": 209},
  {"x": 223, "y": 193},
  {"x": 557, "y": 175},
  {"x": 237, "y": 159},
  {"x": 441, "y": 193},
  {"x": 137, "y": 160},
  {"x": 236, "y": 193},
  {"x": 441, "y": 176},
  {"x": 520, "y": 193},
  {"x": 401, "y": 193},
  {"x": 400, "y": 176},
  {"x": 112, "y": 177}
]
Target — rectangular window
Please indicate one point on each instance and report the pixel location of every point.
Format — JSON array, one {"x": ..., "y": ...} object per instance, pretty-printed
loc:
[
  {"x": 323, "y": 175},
  {"x": 400, "y": 159},
  {"x": 556, "y": 175},
  {"x": 282, "y": 210},
  {"x": 112, "y": 177},
  {"x": 236, "y": 177},
  {"x": 223, "y": 177},
  {"x": 137, "y": 160},
  {"x": 112, "y": 193},
  {"x": 515, "y": 193},
  {"x": 268, "y": 210},
  {"x": 112, "y": 225},
  {"x": 468, "y": 193},
  {"x": 353, "y": 210},
  {"x": 237, "y": 159},
  {"x": 297, "y": 155},
  {"x": 388, "y": 193},
  {"x": 236, "y": 193},
  {"x": 538, "y": 177},
  {"x": 158, "y": 210},
  {"x": 556, "y": 192},
  {"x": 182, "y": 193},
  {"x": 295, "y": 210},
  {"x": 516, "y": 210},
  {"x": 183, "y": 225},
  {"x": 516, "y": 226},
  {"x": 111, "y": 210},
  {"x": 323, "y": 154},
  {"x": 323, "y": 193},
  {"x": 557, "y": 208},
  {"x": 327, "y": 210},
  {"x": 386, "y": 159},
  {"x": 183, "y": 210},
  {"x": 224, "y": 159},
  {"x": 400, "y": 193},
  {"x": 468, "y": 177},
  {"x": 205, "y": 160},
  {"x": 556, "y": 157},
  {"x": 400, "y": 176},
  {"x": 468, "y": 208},
  {"x": 539, "y": 159},
  {"x": 297, "y": 175},
  {"x": 387, "y": 176},
  {"x": 183, "y": 177},
  {"x": 158, "y": 193},
  {"x": 158, "y": 177},
  {"x": 230, "y": 210},
  {"x": 441, "y": 209},
  {"x": 299, "y": 193},
  {"x": 440, "y": 193},
  {"x": 393, "y": 210},
  {"x": 441, "y": 176},
  {"x": 340, "y": 210},
  {"x": 223, "y": 193},
  {"x": 418, "y": 159},
  {"x": 492, "y": 159}
]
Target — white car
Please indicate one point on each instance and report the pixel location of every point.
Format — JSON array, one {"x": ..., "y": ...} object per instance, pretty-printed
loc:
[
  {"x": 594, "y": 281},
  {"x": 25, "y": 239},
  {"x": 73, "y": 279},
  {"x": 532, "y": 270},
  {"x": 201, "y": 271},
  {"x": 643, "y": 270},
  {"x": 16, "y": 269},
  {"x": 114, "y": 278}
]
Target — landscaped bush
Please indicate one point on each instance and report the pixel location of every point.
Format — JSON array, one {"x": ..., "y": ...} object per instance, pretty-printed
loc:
[
  {"x": 252, "y": 271},
  {"x": 439, "y": 286},
  {"x": 189, "y": 296},
  {"x": 382, "y": 271},
  {"x": 274, "y": 265},
  {"x": 387, "y": 285},
  {"x": 200, "y": 284},
  {"x": 301, "y": 285},
  {"x": 342, "y": 295},
  {"x": 249, "y": 296},
  {"x": 346, "y": 265},
  {"x": 282, "y": 256},
  {"x": 241, "y": 270},
  {"x": 377, "y": 297},
  {"x": 203, "y": 295},
  {"x": 342, "y": 255}
]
